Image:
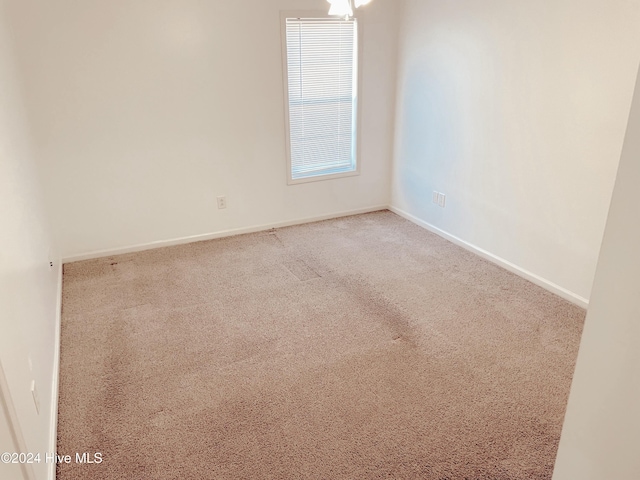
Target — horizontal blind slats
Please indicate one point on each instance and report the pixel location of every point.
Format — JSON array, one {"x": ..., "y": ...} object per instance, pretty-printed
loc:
[{"x": 321, "y": 57}]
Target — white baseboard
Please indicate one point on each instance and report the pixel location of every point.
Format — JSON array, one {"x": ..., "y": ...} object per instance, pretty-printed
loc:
[
  {"x": 212, "y": 236},
  {"x": 532, "y": 277},
  {"x": 53, "y": 428}
]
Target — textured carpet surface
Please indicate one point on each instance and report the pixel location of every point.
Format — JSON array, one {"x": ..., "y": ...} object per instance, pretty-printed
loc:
[{"x": 355, "y": 348}]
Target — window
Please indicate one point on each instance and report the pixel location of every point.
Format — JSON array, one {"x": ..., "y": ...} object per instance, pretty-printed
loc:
[{"x": 321, "y": 97}]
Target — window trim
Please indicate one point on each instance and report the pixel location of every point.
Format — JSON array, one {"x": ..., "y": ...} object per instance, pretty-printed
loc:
[{"x": 284, "y": 14}]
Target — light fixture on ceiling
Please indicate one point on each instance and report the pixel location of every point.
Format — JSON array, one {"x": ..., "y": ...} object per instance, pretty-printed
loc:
[{"x": 343, "y": 8}]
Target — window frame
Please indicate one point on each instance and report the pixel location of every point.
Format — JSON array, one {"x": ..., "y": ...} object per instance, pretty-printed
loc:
[{"x": 285, "y": 81}]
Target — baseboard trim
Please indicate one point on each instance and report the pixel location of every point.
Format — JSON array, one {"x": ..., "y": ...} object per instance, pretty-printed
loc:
[
  {"x": 213, "y": 236},
  {"x": 53, "y": 432},
  {"x": 532, "y": 277}
]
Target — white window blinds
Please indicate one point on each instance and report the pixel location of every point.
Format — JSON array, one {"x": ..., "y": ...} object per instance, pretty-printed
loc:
[{"x": 322, "y": 86}]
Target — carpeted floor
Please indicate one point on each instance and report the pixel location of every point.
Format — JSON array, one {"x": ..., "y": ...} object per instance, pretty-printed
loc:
[{"x": 356, "y": 348}]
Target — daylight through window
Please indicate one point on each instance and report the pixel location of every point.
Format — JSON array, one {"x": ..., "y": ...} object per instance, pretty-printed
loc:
[{"x": 321, "y": 71}]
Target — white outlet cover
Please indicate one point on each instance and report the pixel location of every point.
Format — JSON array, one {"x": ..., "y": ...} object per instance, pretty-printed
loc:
[
  {"x": 442, "y": 198},
  {"x": 435, "y": 197}
]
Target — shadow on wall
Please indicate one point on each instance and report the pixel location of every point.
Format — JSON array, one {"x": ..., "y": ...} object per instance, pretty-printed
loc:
[{"x": 430, "y": 136}]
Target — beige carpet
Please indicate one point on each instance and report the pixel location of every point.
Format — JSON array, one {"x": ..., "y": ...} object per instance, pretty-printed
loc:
[{"x": 356, "y": 348}]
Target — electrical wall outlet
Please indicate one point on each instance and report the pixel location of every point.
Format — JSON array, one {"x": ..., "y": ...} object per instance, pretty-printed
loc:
[
  {"x": 222, "y": 202},
  {"x": 439, "y": 199}
]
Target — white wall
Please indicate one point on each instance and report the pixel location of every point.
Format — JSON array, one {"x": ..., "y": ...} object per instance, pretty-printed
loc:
[
  {"x": 8, "y": 471},
  {"x": 144, "y": 111},
  {"x": 28, "y": 287},
  {"x": 10, "y": 436},
  {"x": 516, "y": 110},
  {"x": 601, "y": 433}
]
